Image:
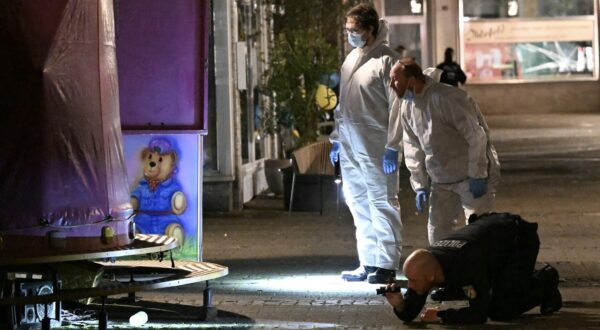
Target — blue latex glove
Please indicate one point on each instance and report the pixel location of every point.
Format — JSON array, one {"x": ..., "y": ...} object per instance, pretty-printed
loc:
[
  {"x": 478, "y": 187},
  {"x": 390, "y": 161},
  {"x": 422, "y": 195},
  {"x": 334, "y": 154}
]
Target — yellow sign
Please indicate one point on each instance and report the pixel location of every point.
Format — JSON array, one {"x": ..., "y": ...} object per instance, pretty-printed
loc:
[{"x": 477, "y": 32}]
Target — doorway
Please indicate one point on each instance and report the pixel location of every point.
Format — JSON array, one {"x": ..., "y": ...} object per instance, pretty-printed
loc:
[{"x": 407, "y": 21}]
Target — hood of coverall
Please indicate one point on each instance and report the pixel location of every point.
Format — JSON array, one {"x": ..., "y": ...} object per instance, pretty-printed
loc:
[{"x": 381, "y": 38}]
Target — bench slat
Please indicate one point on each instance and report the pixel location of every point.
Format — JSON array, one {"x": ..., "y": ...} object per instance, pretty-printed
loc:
[{"x": 194, "y": 272}]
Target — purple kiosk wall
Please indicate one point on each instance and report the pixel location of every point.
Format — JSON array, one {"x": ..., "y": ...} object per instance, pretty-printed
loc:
[{"x": 162, "y": 49}]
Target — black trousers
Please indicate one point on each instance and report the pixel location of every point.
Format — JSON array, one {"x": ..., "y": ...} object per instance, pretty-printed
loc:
[{"x": 515, "y": 290}]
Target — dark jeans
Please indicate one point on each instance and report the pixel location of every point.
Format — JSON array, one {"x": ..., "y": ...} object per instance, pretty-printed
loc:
[{"x": 515, "y": 290}]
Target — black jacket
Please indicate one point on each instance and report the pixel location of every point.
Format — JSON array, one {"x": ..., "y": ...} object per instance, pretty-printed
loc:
[
  {"x": 470, "y": 259},
  {"x": 452, "y": 74}
]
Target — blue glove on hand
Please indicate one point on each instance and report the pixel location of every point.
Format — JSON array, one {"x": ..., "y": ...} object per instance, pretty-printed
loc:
[
  {"x": 390, "y": 161},
  {"x": 478, "y": 187},
  {"x": 422, "y": 195},
  {"x": 334, "y": 154}
]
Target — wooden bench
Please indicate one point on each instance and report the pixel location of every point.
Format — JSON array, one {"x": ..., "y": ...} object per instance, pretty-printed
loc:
[
  {"x": 142, "y": 244},
  {"x": 157, "y": 275},
  {"x": 126, "y": 276}
]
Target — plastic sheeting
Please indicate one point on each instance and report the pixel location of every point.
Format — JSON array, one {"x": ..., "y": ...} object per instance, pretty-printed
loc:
[{"x": 61, "y": 158}]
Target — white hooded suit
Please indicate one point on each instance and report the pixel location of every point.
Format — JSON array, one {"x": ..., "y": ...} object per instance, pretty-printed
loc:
[
  {"x": 446, "y": 143},
  {"x": 363, "y": 130}
]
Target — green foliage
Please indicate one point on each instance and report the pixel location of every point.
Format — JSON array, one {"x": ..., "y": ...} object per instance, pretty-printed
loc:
[{"x": 306, "y": 46}]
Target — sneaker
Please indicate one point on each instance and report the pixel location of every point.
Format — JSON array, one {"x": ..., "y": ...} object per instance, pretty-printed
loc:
[
  {"x": 359, "y": 274},
  {"x": 382, "y": 276},
  {"x": 551, "y": 298}
]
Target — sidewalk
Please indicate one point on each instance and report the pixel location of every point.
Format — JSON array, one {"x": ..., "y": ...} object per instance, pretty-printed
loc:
[{"x": 284, "y": 269}]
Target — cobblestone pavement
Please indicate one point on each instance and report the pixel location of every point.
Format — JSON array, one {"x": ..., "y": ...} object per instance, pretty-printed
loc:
[{"x": 284, "y": 267}]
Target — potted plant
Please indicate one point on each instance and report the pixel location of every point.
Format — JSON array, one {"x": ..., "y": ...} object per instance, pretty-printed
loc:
[
  {"x": 305, "y": 50},
  {"x": 305, "y": 55}
]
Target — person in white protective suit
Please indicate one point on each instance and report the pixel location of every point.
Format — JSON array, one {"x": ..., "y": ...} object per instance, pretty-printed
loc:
[
  {"x": 447, "y": 149},
  {"x": 368, "y": 148}
]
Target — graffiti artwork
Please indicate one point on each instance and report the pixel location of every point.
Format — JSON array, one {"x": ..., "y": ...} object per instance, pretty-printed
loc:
[{"x": 163, "y": 175}]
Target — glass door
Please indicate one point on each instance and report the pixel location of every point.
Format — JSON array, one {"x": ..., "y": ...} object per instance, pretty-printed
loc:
[{"x": 407, "y": 28}]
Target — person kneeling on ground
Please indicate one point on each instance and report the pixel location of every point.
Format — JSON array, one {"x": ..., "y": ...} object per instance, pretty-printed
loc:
[{"x": 488, "y": 264}]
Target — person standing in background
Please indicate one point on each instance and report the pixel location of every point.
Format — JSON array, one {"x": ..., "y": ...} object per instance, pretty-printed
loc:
[
  {"x": 401, "y": 50},
  {"x": 366, "y": 143},
  {"x": 453, "y": 74}
]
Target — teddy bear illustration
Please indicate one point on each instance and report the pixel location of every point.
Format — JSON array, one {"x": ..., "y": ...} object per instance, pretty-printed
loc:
[{"x": 158, "y": 197}]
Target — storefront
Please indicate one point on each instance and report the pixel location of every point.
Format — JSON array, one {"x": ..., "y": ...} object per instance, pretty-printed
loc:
[
  {"x": 520, "y": 56},
  {"x": 236, "y": 146}
]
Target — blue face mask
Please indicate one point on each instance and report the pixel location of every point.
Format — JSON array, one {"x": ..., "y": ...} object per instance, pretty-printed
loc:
[
  {"x": 356, "y": 40},
  {"x": 408, "y": 94}
]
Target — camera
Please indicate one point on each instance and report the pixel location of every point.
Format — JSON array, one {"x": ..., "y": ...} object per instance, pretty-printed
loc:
[{"x": 383, "y": 290}]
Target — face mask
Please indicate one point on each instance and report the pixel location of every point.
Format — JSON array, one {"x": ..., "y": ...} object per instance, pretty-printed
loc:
[
  {"x": 356, "y": 40},
  {"x": 408, "y": 94}
]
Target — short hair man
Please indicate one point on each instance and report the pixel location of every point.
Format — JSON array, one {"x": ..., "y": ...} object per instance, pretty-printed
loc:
[
  {"x": 489, "y": 265},
  {"x": 366, "y": 143},
  {"x": 447, "y": 149}
]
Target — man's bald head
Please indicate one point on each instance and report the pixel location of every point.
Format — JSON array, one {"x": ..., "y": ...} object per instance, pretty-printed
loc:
[
  {"x": 406, "y": 74},
  {"x": 422, "y": 270}
]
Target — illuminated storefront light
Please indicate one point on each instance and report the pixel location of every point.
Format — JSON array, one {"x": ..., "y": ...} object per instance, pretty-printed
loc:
[
  {"x": 416, "y": 7},
  {"x": 513, "y": 8}
]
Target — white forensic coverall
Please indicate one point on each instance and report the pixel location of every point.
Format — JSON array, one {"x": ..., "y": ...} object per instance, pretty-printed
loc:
[
  {"x": 446, "y": 142},
  {"x": 363, "y": 132}
]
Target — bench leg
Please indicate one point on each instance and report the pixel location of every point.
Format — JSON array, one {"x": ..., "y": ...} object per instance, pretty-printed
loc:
[
  {"x": 8, "y": 314},
  {"x": 292, "y": 193},
  {"x": 8, "y": 318},
  {"x": 103, "y": 316},
  {"x": 207, "y": 311},
  {"x": 103, "y": 320},
  {"x": 46, "y": 323},
  {"x": 46, "y": 319},
  {"x": 131, "y": 295}
]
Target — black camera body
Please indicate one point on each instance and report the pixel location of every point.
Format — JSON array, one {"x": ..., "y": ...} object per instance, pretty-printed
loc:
[{"x": 383, "y": 290}]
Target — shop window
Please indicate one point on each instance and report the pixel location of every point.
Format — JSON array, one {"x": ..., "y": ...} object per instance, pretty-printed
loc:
[
  {"x": 407, "y": 21},
  {"x": 403, "y": 7},
  {"x": 409, "y": 36},
  {"x": 526, "y": 8},
  {"x": 524, "y": 40}
]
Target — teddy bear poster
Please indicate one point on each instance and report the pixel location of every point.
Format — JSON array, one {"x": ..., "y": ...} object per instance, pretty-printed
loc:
[{"x": 163, "y": 174}]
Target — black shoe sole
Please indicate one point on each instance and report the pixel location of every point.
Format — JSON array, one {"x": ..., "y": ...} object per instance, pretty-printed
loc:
[{"x": 381, "y": 279}]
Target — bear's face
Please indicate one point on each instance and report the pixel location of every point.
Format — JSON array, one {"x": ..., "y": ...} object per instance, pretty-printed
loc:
[{"x": 157, "y": 166}]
